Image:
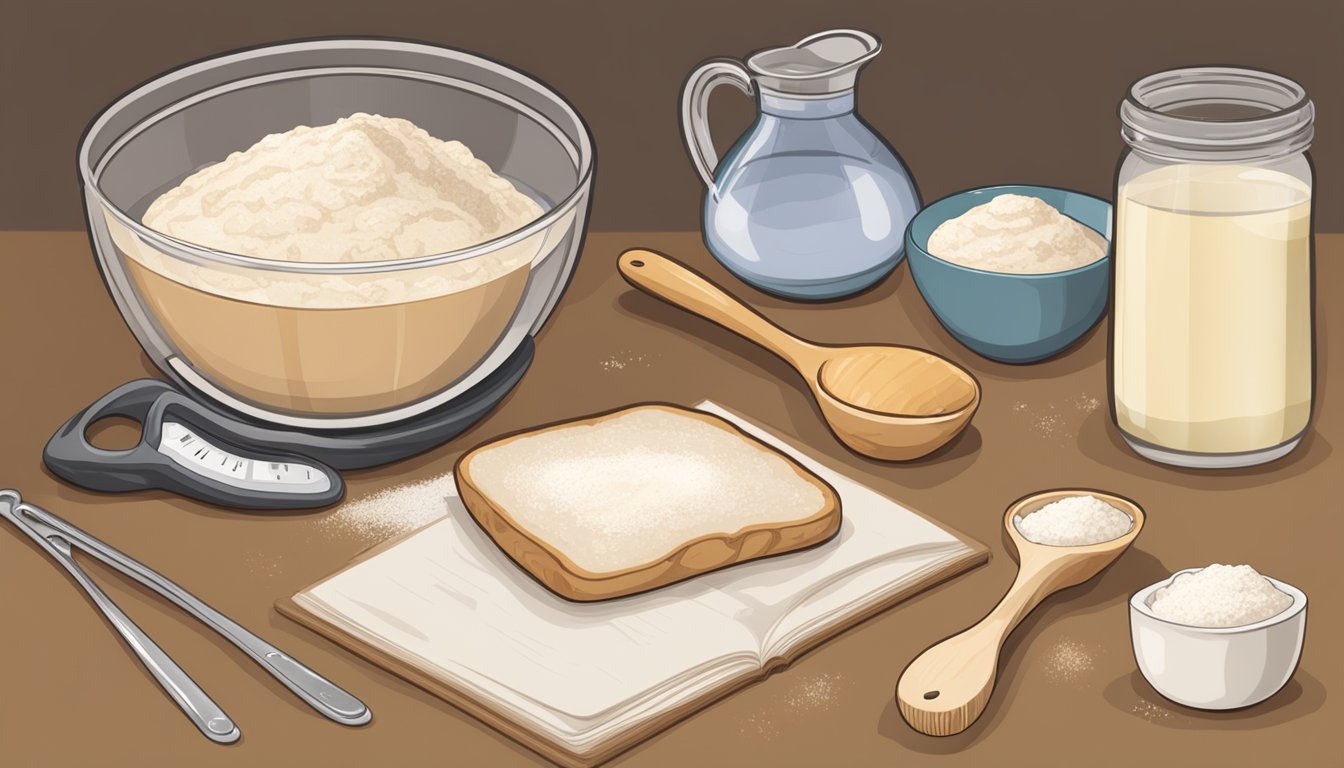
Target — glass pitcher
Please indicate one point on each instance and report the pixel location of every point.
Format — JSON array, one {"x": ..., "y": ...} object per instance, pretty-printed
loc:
[{"x": 810, "y": 203}]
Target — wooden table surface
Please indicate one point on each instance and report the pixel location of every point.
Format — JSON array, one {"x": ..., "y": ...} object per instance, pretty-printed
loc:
[{"x": 1069, "y": 692}]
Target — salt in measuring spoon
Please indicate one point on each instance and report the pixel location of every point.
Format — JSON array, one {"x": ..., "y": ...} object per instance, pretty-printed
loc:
[{"x": 947, "y": 687}]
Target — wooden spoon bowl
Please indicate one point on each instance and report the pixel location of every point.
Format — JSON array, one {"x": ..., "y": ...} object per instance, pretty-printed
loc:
[
  {"x": 893, "y": 403},
  {"x": 885, "y": 401},
  {"x": 947, "y": 687}
]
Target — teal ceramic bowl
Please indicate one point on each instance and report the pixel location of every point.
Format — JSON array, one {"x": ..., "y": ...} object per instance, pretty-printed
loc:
[{"x": 1009, "y": 317}]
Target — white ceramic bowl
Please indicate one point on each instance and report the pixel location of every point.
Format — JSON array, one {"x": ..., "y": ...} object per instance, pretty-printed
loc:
[{"x": 1217, "y": 667}]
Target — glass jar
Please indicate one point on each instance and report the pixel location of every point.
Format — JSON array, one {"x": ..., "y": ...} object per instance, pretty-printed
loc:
[{"x": 1212, "y": 320}]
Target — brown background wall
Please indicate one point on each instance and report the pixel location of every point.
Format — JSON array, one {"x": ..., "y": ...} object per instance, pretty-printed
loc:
[{"x": 971, "y": 92}]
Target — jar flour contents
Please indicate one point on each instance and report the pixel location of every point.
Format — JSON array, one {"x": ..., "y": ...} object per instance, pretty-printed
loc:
[{"x": 1212, "y": 323}]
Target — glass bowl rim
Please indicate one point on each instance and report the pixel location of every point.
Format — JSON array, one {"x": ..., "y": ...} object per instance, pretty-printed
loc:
[{"x": 174, "y": 247}]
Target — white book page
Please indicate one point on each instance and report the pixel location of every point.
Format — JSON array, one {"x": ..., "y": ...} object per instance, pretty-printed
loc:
[
  {"x": 447, "y": 599},
  {"x": 837, "y": 601}
]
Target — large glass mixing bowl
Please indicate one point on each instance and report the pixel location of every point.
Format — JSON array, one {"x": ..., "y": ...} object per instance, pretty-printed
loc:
[{"x": 343, "y": 344}]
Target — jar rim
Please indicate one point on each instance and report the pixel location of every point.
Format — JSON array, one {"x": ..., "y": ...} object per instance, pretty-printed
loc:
[{"x": 1175, "y": 114}]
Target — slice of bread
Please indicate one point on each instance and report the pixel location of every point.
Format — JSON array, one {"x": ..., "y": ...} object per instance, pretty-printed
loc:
[{"x": 631, "y": 500}]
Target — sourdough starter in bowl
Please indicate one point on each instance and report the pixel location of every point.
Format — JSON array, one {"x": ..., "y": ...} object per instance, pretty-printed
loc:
[
  {"x": 363, "y": 189},
  {"x": 1016, "y": 234}
]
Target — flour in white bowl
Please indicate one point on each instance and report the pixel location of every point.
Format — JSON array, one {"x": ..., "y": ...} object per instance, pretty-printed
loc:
[{"x": 1219, "y": 596}]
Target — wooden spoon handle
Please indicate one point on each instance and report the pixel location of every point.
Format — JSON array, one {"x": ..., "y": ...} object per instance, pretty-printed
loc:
[
  {"x": 947, "y": 687},
  {"x": 678, "y": 285}
]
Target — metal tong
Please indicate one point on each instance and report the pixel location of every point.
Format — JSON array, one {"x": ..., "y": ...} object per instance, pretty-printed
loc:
[{"x": 59, "y": 538}]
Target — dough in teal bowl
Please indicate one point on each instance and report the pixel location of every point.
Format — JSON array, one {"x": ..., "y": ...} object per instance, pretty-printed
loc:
[{"x": 1006, "y": 316}]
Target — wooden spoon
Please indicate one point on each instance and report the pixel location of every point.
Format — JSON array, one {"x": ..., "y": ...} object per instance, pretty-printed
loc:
[
  {"x": 947, "y": 687},
  {"x": 888, "y": 402}
]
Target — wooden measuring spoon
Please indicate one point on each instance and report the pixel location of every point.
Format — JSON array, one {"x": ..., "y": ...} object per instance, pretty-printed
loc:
[
  {"x": 885, "y": 401},
  {"x": 947, "y": 687}
]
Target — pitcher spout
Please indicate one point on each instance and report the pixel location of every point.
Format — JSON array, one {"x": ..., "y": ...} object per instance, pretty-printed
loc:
[{"x": 819, "y": 65}]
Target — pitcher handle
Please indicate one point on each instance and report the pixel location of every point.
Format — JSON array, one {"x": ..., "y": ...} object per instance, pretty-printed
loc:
[{"x": 695, "y": 110}]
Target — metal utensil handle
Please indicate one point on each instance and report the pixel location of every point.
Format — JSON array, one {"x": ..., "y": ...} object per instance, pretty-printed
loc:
[
  {"x": 695, "y": 110},
  {"x": 203, "y": 712},
  {"x": 320, "y": 693}
]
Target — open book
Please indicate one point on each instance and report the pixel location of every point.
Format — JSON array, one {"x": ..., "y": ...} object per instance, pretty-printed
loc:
[{"x": 580, "y": 682}]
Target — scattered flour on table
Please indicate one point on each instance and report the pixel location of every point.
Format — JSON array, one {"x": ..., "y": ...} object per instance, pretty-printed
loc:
[
  {"x": 1086, "y": 403},
  {"x": 1069, "y": 661},
  {"x": 1058, "y": 420},
  {"x": 626, "y": 359},
  {"x": 815, "y": 693},
  {"x": 1074, "y": 521},
  {"x": 393, "y": 511},
  {"x": 1220, "y": 596},
  {"x": 1047, "y": 422},
  {"x": 1017, "y": 234},
  {"x": 759, "y": 725},
  {"x": 263, "y": 563},
  {"x": 805, "y": 697},
  {"x": 1151, "y": 712}
]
